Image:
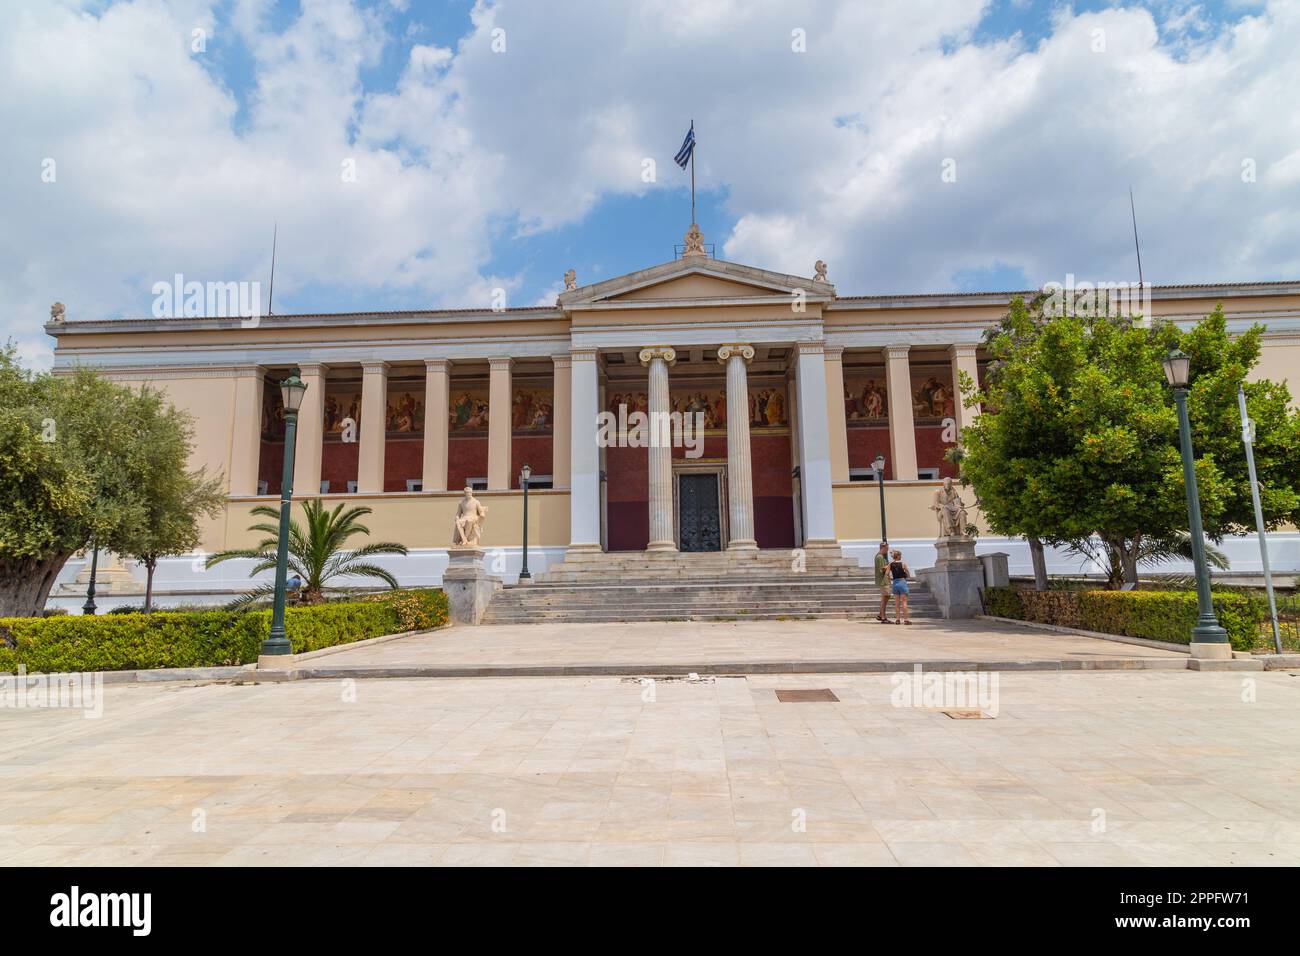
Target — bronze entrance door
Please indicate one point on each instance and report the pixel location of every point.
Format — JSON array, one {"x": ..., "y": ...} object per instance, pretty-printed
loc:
[{"x": 699, "y": 521}]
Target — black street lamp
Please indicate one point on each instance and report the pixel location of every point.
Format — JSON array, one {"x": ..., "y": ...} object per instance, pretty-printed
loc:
[
  {"x": 524, "y": 474},
  {"x": 291, "y": 390},
  {"x": 89, "y": 606},
  {"x": 1209, "y": 639},
  {"x": 879, "y": 465}
]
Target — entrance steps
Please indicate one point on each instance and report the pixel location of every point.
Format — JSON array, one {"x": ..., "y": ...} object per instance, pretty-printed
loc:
[{"x": 717, "y": 586}]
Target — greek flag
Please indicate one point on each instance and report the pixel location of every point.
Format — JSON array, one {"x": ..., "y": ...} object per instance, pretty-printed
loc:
[{"x": 688, "y": 147}]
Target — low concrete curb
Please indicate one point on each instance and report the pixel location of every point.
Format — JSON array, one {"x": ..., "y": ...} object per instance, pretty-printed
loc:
[
  {"x": 713, "y": 668},
  {"x": 1096, "y": 635},
  {"x": 283, "y": 661},
  {"x": 1279, "y": 662}
]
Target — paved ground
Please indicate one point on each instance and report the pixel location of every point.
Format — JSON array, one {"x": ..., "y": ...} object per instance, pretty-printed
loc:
[
  {"x": 560, "y": 645},
  {"x": 1129, "y": 767}
]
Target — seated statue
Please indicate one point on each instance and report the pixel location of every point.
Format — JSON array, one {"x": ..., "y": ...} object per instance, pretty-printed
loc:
[
  {"x": 469, "y": 521},
  {"x": 950, "y": 510}
]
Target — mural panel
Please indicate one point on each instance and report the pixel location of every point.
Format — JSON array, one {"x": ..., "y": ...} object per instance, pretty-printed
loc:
[
  {"x": 932, "y": 394},
  {"x": 866, "y": 399},
  {"x": 469, "y": 410},
  {"x": 532, "y": 410},
  {"x": 405, "y": 413}
]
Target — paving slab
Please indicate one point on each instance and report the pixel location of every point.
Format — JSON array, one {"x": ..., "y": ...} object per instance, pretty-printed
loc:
[{"x": 1068, "y": 769}]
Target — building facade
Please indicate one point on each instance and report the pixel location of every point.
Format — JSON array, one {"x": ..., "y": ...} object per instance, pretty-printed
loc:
[{"x": 778, "y": 394}]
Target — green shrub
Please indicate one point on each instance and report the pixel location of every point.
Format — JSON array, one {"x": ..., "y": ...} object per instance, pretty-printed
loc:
[
  {"x": 205, "y": 638},
  {"x": 1154, "y": 615}
]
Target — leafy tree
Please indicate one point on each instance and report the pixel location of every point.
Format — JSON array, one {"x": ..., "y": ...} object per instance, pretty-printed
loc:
[
  {"x": 317, "y": 553},
  {"x": 78, "y": 453},
  {"x": 1080, "y": 435}
]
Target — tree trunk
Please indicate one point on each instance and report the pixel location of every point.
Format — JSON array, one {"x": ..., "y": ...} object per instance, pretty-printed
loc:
[
  {"x": 149, "y": 565},
  {"x": 26, "y": 583},
  {"x": 1040, "y": 564},
  {"x": 1130, "y": 557}
]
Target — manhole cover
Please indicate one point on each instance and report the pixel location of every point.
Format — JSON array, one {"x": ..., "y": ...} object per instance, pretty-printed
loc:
[
  {"x": 820, "y": 695},
  {"x": 967, "y": 714}
]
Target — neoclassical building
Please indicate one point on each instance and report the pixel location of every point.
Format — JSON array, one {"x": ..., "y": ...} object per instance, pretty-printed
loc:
[{"x": 797, "y": 390}]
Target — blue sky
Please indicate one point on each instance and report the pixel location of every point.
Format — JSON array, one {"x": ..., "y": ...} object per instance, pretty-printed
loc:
[{"x": 481, "y": 168}]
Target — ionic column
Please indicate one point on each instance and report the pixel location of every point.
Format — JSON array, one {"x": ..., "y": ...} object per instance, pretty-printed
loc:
[
  {"x": 835, "y": 414},
  {"x": 740, "y": 475},
  {"x": 246, "y": 446},
  {"x": 662, "y": 538},
  {"x": 311, "y": 431},
  {"x": 499, "y": 420},
  {"x": 814, "y": 447},
  {"x": 561, "y": 424},
  {"x": 584, "y": 455},
  {"x": 374, "y": 423},
  {"x": 437, "y": 384},
  {"x": 902, "y": 426},
  {"x": 963, "y": 360}
]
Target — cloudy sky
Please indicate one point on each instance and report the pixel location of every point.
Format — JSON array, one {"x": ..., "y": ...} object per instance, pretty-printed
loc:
[{"x": 420, "y": 155}]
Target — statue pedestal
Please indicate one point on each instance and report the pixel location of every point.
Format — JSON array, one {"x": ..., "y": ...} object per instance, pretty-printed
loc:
[
  {"x": 956, "y": 577},
  {"x": 468, "y": 587}
]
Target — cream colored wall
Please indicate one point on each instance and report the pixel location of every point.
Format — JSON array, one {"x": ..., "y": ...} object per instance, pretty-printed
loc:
[
  {"x": 1280, "y": 363},
  {"x": 420, "y": 520},
  {"x": 907, "y": 509}
]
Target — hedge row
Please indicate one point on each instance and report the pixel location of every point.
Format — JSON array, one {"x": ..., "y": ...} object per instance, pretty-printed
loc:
[
  {"x": 205, "y": 638},
  {"x": 1155, "y": 615}
]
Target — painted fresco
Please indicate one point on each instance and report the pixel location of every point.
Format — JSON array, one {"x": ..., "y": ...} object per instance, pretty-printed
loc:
[
  {"x": 469, "y": 411},
  {"x": 866, "y": 399},
  {"x": 405, "y": 413},
  {"x": 767, "y": 405},
  {"x": 272, "y": 414},
  {"x": 342, "y": 404},
  {"x": 532, "y": 410},
  {"x": 933, "y": 399}
]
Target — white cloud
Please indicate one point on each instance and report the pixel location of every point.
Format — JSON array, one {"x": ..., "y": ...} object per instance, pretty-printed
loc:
[{"x": 834, "y": 153}]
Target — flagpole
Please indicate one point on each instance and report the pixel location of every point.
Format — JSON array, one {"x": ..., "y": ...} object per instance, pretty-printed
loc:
[{"x": 694, "y": 146}]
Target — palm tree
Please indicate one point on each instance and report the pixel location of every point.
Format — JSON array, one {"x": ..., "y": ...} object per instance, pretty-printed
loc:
[{"x": 317, "y": 556}]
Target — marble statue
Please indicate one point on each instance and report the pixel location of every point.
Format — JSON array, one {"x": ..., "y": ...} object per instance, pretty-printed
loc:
[
  {"x": 56, "y": 312},
  {"x": 950, "y": 510},
  {"x": 570, "y": 280},
  {"x": 694, "y": 241},
  {"x": 820, "y": 270},
  {"x": 469, "y": 521}
]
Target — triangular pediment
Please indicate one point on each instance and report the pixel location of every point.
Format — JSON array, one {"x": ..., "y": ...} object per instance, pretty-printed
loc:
[{"x": 693, "y": 280}]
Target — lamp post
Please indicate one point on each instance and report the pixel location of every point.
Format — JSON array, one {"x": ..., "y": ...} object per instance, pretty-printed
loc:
[
  {"x": 1209, "y": 639},
  {"x": 879, "y": 465},
  {"x": 89, "y": 606},
  {"x": 524, "y": 474},
  {"x": 291, "y": 390}
]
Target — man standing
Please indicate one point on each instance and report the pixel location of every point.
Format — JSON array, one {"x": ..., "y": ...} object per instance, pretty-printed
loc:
[{"x": 882, "y": 580}]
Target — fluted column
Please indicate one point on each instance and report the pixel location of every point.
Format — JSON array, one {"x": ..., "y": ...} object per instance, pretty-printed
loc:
[
  {"x": 740, "y": 474},
  {"x": 584, "y": 452},
  {"x": 902, "y": 425},
  {"x": 500, "y": 416},
  {"x": 311, "y": 431},
  {"x": 662, "y": 537},
  {"x": 964, "y": 360},
  {"x": 437, "y": 384},
  {"x": 374, "y": 423}
]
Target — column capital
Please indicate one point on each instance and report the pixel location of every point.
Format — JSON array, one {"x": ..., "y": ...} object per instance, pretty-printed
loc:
[
  {"x": 250, "y": 371},
  {"x": 898, "y": 351},
  {"x": 810, "y": 348},
  {"x": 725, "y": 352},
  {"x": 834, "y": 353},
  {"x": 312, "y": 368},
  {"x": 371, "y": 366},
  {"x": 962, "y": 351},
  {"x": 500, "y": 362},
  {"x": 437, "y": 365},
  {"x": 652, "y": 352},
  {"x": 562, "y": 361},
  {"x": 585, "y": 354}
]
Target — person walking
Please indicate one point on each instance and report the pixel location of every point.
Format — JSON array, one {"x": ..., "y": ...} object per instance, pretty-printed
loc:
[
  {"x": 899, "y": 572},
  {"x": 882, "y": 581}
]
